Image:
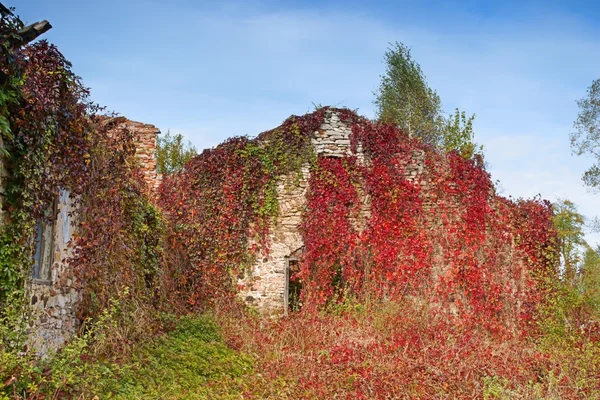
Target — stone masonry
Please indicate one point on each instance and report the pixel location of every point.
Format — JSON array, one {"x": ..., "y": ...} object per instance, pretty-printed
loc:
[
  {"x": 265, "y": 286},
  {"x": 54, "y": 299},
  {"x": 145, "y": 150}
]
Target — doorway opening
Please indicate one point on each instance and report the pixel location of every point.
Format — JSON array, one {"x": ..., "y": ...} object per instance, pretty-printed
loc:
[{"x": 293, "y": 284}]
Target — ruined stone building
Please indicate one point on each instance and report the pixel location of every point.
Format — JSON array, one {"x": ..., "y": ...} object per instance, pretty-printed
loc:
[
  {"x": 52, "y": 289},
  {"x": 268, "y": 286}
]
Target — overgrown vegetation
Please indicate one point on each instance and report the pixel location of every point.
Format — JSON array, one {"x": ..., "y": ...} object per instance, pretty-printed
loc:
[
  {"x": 46, "y": 139},
  {"x": 447, "y": 291},
  {"x": 456, "y": 224},
  {"x": 352, "y": 350},
  {"x": 54, "y": 142},
  {"x": 220, "y": 207}
]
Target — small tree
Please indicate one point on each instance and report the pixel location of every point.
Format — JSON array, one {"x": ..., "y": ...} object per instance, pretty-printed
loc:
[
  {"x": 569, "y": 226},
  {"x": 585, "y": 139},
  {"x": 404, "y": 98},
  {"x": 590, "y": 278},
  {"x": 458, "y": 135},
  {"x": 172, "y": 153}
]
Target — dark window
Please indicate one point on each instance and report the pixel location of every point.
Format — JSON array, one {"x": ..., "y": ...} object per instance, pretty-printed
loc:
[{"x": 44, "y": 246}]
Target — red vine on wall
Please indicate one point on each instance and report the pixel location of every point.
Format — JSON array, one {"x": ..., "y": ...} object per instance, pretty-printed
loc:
[
  {"x": 58, "y": 142},
  {"x": 435, "y": 226}
]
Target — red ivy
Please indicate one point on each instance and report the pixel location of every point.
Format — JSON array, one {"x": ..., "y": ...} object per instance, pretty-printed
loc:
[{"x": 434, "y": 228}]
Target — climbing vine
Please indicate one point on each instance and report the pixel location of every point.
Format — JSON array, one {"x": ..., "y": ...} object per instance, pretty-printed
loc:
[
  {"x": 396, "y": 218},
  {"x": 220, "y": 207},
  {"x": 46, "y": 141},
  {"x": 118, "y": 241},
  {"x": 54, "y": 142}
]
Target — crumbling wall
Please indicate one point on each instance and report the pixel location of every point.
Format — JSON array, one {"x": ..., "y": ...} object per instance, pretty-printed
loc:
[
  {"x": 264, "y": 286},
  {"x": 54, "y": 301},
  {"x": 145, "y": 150},
  {"x": 332, "y": 139}
]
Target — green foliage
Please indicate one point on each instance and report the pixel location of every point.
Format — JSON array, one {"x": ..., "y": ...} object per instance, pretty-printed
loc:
[
  {"x": 569, "y": 226},
  {"x": 556, "y": 322},
  {"x": 9, "y": 84},
  {"x": 495, "y": 388},
  {"x": 580, "y": 262},
  {"x": 405, "y": 99},
  {"x": 13, "y": 321},
  {"x": 147, "y": 229},
  {"x": 191, "y": 362},
  {"x": 585, "y": 139},
  {"x": 458, "y": 135},
  {"x": 64, "y": 374},
  {"x": 9, "y": 94},
  {"x": 590, "y": 279},
  {"x": 172, "y": 153},
  {"x": 569, "y": 336}
]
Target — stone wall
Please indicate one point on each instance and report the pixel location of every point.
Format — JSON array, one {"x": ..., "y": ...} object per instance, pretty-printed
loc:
[
  {"x": 54, "y": 301},
  {"x": 332, "y": 139},
  {"x": 265, "y": 285},
  {"x": 145, "y": 145},
  {"x": 145, "y": 137}
]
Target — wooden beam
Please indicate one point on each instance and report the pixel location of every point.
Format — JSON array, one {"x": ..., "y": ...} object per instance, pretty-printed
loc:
[
  {"x": 27, "y": 34},
  {"x": 4, "y": 10},
  {"x": 30, "y": 33},
  {"x": 23, "y": 36}
]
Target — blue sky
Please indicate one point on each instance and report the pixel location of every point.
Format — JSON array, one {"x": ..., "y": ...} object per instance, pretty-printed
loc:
[{"x": 214, "y": 69}]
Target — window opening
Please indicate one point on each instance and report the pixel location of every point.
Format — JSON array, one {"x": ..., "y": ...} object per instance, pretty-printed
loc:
[{"x": 44, "y": 246}]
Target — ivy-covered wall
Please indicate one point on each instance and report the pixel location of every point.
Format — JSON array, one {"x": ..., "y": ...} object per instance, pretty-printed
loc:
[
  {"x": 267, "y": 283},
  {"x": 55, "y": 298},
  {"x": 264, "y": 285},
  {"x": 366, "y": 211}
]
